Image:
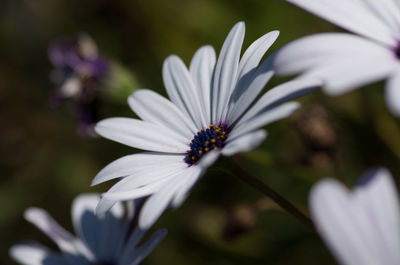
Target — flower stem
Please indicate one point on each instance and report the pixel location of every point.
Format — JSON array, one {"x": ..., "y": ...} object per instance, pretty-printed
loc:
[{"x": 273, "y": 195}]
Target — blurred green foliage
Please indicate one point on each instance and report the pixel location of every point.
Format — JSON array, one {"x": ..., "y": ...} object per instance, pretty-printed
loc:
[{"x": 45, "y": 163}]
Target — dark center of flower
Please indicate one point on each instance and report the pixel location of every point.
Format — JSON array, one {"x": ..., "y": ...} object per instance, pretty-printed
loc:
[{"x": 212, "y": 138}]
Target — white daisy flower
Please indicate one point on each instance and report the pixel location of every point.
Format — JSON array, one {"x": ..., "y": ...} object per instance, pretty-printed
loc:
[
  {"x": 360, "y": 227},
  {"x": 210, "y": 114},
  {"x": 346, "y": 61},
  {"x": 100, "y": 241}
]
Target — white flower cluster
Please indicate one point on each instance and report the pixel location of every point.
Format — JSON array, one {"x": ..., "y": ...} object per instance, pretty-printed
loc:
[{"x": 215, "y": 109}]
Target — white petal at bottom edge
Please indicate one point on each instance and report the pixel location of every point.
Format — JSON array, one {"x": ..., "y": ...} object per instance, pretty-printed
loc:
[
  {"x": 378, "y": 196},
  {"x": 161, "y": 200},
  {"x": 35, "y": 254},
  {"x": 244, "y": 143},
  {"x": 355, "y": 225},
  {"x": 338, "y": 223},
  {"x": 392, "y": 94}
]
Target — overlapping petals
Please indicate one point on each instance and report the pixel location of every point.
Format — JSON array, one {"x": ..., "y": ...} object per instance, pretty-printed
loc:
[
  {"x": 99, "y": 240},
  {"x": 363, "y": 226},
  {"x": 346, "y": 61},
  {"x": 212, "y": 91}
]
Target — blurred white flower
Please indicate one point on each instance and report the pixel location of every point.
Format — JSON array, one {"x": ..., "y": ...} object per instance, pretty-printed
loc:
[
  {"x": 100, "y": 241},
  {"x": 360, "y": 227},
  {"x": 346, "y": 61},
  {"x": 209, "y": 114}
]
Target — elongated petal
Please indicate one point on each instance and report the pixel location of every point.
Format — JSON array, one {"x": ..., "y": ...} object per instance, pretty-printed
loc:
[
  {"x": 392, "y": 94},
  {"x": 245, "y": 143},
  {"x": 225, "y": 75},
  {"x": 152, "y": 107},
  {"x": 35, "y": 254},
  {"x": 263, "y": 118},
  {"x": 321, "y": 49},
  {"x": 253, "y": 55},
  {"x": 159, "y": 173},
  {"x": 247, "y": 91},
  {"x": 181, "y": 89},
  {"x": 186, "y": 186},
  {"x": 352, "y": 15},
  {"x": 388, "y": 11},
  {"x": 135, "y": 165},
  {"x": 42, "y": 220},
  {"x": 160, "y": 201},
  {"x": 202, "y": 69},
  {"x": 141, "y": 134},
  {"x": 338, "y": 78},
  {"x": 281, "y": 93}
]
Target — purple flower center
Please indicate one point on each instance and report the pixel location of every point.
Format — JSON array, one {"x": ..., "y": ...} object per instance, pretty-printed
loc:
[{"x": 212, "y": 138}]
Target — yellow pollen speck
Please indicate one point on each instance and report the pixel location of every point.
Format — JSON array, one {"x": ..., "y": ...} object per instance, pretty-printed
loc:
[
  {"x": 206, "y": 149},
  {"x": 193, "y": 157},
  {"x": 200, "y": 152},
  {"x": 213, "y": 140},
  {"x": 215, "y": 148},
  {"x": 207, "y": 142}
]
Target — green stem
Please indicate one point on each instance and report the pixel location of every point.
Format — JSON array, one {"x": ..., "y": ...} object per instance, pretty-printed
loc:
[{"x": 273, "y": 195}]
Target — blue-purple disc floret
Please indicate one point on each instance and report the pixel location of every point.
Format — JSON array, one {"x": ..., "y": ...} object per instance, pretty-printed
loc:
[{"x": 212, "y": 138}]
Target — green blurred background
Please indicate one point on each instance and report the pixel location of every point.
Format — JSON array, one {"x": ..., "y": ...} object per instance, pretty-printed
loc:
[{"x": 45, "y": 163}]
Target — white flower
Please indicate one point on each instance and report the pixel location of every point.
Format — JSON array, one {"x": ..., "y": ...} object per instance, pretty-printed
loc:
[
  {"x": 99, "y": 241},
  {"x": 209, "y": 114},
  {"x": 346, "y": 61},
  {"x": 360, "y": 227}
]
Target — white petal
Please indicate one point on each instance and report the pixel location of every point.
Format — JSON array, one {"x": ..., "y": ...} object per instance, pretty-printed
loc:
[
  {"x": 339, "y": 76},
  {"x": 339, "y": 224},
  {"x": 321, "y": 49},
  {"x": 379, "y": 199},
  {"x": 160, "y": 201},
  {"x": 42, "y": 220},
  {"x": 247, "y": 91},
  {"x": 263, "y": 118},
  {"x": 388, "y": 11},
  {"x": 244, "y": 143},
  {"x": 392, "y": 94},
  {"x": 152, "y": 107},
  {"x": 362, "y": 227},
  {"x": 103, "y": 236},
  {"x": 147, "y": 247},
  {"x": 187, "y": 183},
  {"x": 159, "y": 173},
  {"x": 202, "y": 68},
  {"x": 284, "y": 92},
  {"x": 135, "y": 165},
  {"x": 208, "y": 159},
  {"x": 181, "y": 89},
  {"x": 226, "y": 70},
  {"x": 35, "y": 254},
  {"x": 141, "y": 134},
  {"x": 352, "y": 15},
  {"x": 253, "y": 55}
]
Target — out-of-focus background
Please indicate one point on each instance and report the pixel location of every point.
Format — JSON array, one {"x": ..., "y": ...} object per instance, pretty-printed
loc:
[{"x": 44, "y": 161}]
